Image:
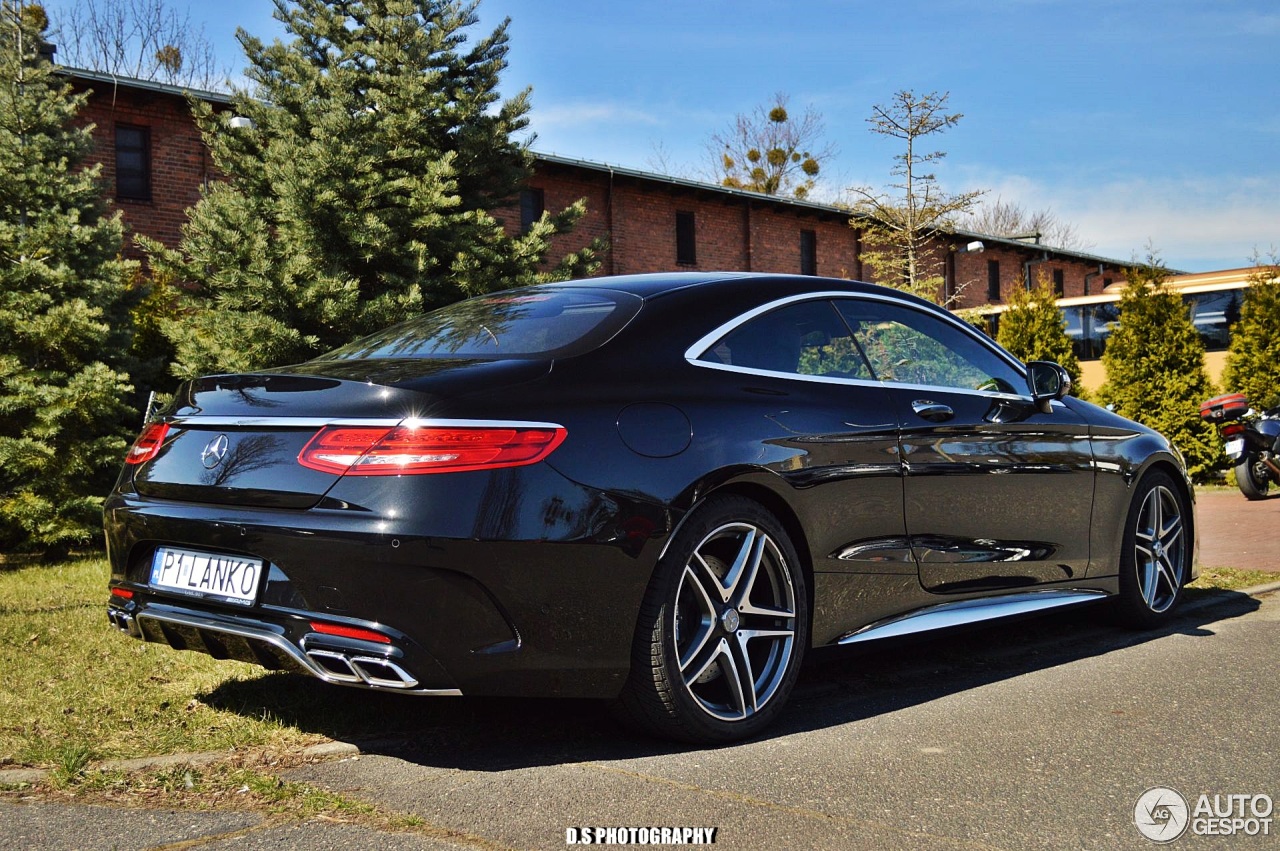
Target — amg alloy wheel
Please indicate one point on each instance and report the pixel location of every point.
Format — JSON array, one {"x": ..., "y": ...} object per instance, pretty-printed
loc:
[
  {"x": 1157, "y": 552},
  {"x": 722, "y": 630}
]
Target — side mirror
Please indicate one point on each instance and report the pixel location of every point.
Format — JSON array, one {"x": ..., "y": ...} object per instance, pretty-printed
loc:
[{"x": 1047, "y": 381}]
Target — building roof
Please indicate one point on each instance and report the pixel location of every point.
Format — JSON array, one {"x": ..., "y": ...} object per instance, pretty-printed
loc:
[
  {"x": 117, "y": 80},
  {"x": 812, "y": 206},
  {"x": 623, "y": 171}
]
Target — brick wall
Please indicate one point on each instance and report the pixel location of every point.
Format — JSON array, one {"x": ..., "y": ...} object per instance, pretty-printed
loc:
[
  {"x": 633, "y": 211},
  {"x": 180, "y": 163}
]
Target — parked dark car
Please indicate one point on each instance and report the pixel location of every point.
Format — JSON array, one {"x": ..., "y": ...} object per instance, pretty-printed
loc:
[{"x": 659, "y": 489}]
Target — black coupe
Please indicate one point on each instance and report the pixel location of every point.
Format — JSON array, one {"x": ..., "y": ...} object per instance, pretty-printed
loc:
[{"x": 658, "y": 489}]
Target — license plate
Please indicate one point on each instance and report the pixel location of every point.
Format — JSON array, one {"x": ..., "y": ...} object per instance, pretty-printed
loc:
[
  {"x": 228, "y": 579},
  {"x": 1235, "y": 447}
]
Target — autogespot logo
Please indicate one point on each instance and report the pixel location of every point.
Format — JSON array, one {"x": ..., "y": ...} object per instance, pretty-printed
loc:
[{"x": 1161, "y": 814}]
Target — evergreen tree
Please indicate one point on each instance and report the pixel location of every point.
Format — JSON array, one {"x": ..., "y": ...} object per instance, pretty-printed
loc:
[
  {"x": 364, "y": 191},
  {"x": 63, "y": 307},
  {"x": 1033, "y": 328},
  {"x": 1253, "y": 366},
  {"x": 1155, "y": 367}
]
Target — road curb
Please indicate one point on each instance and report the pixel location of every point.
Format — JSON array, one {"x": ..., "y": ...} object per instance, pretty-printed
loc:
[
  {"x": 346, "y": 750},
  {"x": 324, "y": 750}
]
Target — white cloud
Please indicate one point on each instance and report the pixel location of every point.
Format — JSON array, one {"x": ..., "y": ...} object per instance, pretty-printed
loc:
[
  {"x": 1195, "y": 223},
  {"x": 585, "y": 114}
]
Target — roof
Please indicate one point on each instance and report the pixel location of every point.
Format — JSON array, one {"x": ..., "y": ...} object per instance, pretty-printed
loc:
[
  {"x": 622, "y": 171},
  {"x": 117, "y": 80},
  {"x": 812, "y": 206}
]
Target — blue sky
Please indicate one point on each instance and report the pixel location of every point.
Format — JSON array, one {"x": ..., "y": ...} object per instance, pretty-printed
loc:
[{"x": 1143, "y": 123}]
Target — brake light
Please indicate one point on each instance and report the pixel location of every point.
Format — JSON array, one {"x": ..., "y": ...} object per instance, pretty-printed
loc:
[
  {"x": 148, "y": 444},
  {"x": 123, "y": 593},
  {"x": 1233, "y": 428},
  {"x": 408, "y": 449},
  {"x": 350, "y": 632}
]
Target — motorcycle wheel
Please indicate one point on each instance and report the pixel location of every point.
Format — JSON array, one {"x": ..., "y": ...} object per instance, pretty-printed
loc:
[{"x": 1253, "y": 477}]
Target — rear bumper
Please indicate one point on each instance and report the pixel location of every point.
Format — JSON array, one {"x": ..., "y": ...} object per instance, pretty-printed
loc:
[
  {"x": 273, "y": 645},
  {"x": 542, "y": 604}
]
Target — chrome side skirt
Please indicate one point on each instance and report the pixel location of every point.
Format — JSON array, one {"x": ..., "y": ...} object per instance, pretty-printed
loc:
[{"x": 963, "y": 612}]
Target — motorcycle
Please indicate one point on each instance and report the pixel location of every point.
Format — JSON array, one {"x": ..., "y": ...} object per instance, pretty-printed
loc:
[{"x": 1251, "y": 441}]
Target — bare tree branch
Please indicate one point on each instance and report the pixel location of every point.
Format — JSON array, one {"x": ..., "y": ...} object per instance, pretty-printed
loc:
[
  {"x": 143, "y": 39},
  {"x": 770, "y": 151},
  {"x": 1011, "y": 220}
]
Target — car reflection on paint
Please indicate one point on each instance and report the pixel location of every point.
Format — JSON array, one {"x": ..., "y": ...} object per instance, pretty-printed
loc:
[{"x": 660, "y": 490}]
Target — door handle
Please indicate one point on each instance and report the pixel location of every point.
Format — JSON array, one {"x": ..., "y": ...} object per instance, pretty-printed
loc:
[{"x": 932, "y": 411}]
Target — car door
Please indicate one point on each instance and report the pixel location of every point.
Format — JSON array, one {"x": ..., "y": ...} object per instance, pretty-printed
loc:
[
  {"x": 807, "y": 406},
  {"x": 997, "y": 495}
]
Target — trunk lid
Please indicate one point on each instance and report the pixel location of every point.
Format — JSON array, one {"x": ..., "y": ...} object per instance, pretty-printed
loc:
[{"x": 235, "y": 439}]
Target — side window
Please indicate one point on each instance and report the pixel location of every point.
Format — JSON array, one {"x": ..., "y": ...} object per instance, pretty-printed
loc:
[
  {"x": 907, "y": 346},
  {"x": 806, "y": 338}
]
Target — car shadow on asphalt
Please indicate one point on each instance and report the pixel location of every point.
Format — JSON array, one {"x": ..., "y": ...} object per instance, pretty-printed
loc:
[{"x": 837, "y": 686}]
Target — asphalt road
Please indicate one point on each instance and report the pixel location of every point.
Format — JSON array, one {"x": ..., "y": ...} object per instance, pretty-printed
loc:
[{"x": 1039, "y": 734}]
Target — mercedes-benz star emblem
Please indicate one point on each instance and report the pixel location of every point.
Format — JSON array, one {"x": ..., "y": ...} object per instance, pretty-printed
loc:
[{"x": 214, "y": 451}]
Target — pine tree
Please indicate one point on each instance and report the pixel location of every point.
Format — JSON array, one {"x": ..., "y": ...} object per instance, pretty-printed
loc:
[
  {"x": 1155, "y": 367},
  {"x": 64, "y": 307},
  {"x": 1253, "y": 366},
  {"x": 1033, "y": 328},
  {"x": 364, "y": 191}
]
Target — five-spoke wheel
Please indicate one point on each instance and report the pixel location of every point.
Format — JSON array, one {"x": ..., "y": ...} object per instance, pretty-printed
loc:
[
  {"x": 723, "y": 627},
  {"x": 1157, "y": 551}
]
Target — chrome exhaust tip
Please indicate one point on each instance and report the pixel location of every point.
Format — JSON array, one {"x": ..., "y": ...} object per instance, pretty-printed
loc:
[{"x": 365, "y": 670}]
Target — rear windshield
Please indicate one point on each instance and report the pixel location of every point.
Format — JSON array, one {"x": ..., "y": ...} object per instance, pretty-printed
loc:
[{"x": 521, "y": 323}]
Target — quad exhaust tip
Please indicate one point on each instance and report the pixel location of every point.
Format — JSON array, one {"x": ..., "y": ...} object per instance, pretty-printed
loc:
[{"x": 368, "y": 670}]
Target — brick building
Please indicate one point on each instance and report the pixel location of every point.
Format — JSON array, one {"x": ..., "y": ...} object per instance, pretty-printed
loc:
[{"x": 154, "y": 163}]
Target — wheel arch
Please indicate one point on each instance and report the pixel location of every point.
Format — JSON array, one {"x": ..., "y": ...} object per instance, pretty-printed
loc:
[
  {"x": 1188, "y": 493},
  {"x": 759, "y": 491}
]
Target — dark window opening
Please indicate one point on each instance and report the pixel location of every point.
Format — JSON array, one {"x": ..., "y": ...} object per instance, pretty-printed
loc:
[
  {"x": 1059, "y": 287},
  {"x": 686, "y": 240},
  {"x": 808, "y": 252},
  {"x": 993, "y": 280},
  {"x": 133, "y": 162},
  {"x": 533, "y": 204}
]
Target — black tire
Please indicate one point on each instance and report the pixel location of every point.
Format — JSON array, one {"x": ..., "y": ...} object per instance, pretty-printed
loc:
[
  {"x": 727, "y": 604},
  {"x": 1252, "y": 477},
  {"x": 1155, "y": 559}
]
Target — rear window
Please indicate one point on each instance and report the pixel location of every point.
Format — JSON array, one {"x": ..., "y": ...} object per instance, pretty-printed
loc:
[{"x": 517, "y": 324}]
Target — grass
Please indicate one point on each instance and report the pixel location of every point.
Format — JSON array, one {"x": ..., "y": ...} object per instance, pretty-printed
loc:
[
  {"x": 77, "y": 690},
  {"x": 1232, "y": 579}
]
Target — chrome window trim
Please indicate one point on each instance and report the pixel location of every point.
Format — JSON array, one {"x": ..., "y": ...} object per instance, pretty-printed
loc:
[
  {"x": 200, "y": 420},
  {"x": 695, "y": 352}
]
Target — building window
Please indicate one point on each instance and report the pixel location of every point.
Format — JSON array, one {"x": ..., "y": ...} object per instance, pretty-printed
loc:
[
  {"x": 1058, "y": 286},
  {"x": 993, "y": 280},
  {"x": 133, "y": 162},
  {"x": 808, "y": 252},
  {"x": 686, "y": 240},
  {"x": 533, "y": 203}
]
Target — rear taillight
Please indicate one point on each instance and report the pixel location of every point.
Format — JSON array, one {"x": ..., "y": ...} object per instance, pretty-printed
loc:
[
  {"x": 410, "y": 449},
  {"x": 148, "y": 444},
  {"x": 1233, "y": 428}
]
